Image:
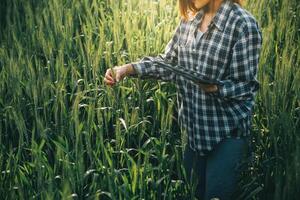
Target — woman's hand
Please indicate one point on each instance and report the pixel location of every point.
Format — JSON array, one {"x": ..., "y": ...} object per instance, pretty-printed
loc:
[
  {"x": 208, "y": 87},
  {"x": 119, "y": 72}
]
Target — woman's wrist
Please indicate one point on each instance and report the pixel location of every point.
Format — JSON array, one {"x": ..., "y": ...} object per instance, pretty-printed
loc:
[{"x": 129, "y": 69}]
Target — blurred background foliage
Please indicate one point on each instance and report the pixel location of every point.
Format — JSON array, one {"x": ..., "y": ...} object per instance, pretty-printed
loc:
[{"x": 65, "y": 134}]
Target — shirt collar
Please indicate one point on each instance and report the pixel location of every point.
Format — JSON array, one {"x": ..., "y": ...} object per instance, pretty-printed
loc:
[{"x": 220, "y": 17}]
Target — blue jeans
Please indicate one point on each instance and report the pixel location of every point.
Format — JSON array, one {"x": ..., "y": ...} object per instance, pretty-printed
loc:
[{"x": 218, "y": 172}]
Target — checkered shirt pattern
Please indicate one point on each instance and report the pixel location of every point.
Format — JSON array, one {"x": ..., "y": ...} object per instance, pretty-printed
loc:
[{"x": 228, "y": 52}]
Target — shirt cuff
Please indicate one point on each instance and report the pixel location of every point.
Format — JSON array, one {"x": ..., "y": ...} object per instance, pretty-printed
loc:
[
  {"x": 140, "y": 70},
  {"x": 137, "y": 68},
  {"x": 220, "y": 91}
]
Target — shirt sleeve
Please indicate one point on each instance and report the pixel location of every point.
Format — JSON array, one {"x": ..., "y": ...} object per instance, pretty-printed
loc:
[
  {"x": 145, "y": 68},
  {"x": 242, "y": 83}
]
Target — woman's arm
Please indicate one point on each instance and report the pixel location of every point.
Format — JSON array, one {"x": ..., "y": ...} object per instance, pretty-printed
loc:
[{"x": 241, "y": 83}]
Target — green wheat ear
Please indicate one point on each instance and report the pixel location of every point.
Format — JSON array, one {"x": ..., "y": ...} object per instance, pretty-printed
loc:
[{"x": 113, "y": 73}]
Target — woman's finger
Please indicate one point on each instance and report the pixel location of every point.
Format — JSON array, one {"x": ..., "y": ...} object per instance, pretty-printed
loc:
[
  {"x": 109, "y": 78},
  {"x": 108, "y": 81},
  {"x": 108, "y": 75}
]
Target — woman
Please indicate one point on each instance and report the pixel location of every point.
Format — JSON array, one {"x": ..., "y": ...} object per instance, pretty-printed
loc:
[{"x": 222, "y": 40}]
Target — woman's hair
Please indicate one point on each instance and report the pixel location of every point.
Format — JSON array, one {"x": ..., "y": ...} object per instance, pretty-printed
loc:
[{"x": 186, "y": 6}]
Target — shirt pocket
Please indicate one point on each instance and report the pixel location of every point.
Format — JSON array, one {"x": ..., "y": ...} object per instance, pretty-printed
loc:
[{"x": 187, "y": 56}]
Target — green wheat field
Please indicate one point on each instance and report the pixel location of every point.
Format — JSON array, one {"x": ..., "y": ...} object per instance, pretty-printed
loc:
[{"x": 64, "y": 134}]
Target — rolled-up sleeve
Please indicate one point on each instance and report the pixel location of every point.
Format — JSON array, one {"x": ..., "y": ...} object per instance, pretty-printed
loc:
[
  {"x": 242, "y": 83},
  {"x": 145, "y": 67}
]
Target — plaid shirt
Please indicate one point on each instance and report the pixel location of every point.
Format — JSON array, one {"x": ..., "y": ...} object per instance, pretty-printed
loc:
[{"x": 228, "y": 52}]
